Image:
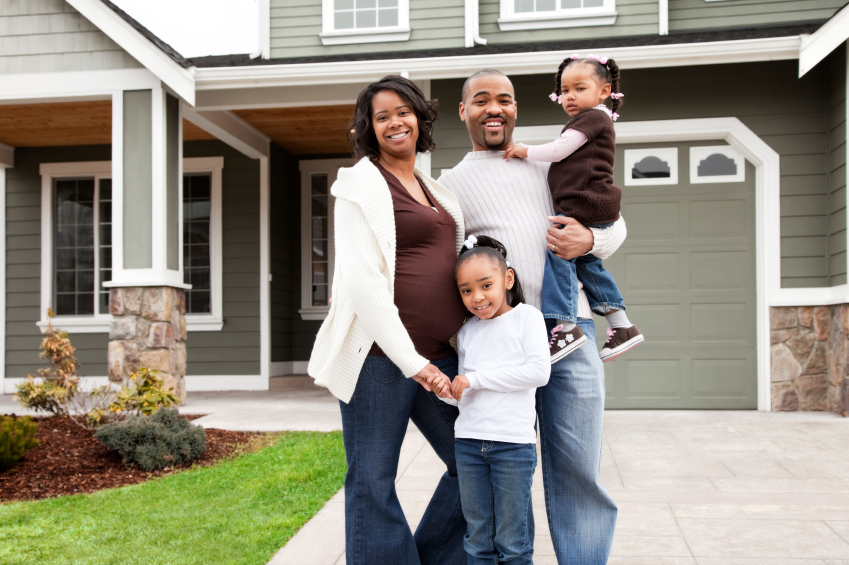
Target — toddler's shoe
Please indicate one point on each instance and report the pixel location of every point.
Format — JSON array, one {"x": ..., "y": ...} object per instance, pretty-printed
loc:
[
  {"x": 563, "y": 343},
  {"x": 620, "y": 340}
]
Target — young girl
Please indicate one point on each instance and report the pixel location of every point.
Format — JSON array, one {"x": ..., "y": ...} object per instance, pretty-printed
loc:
[
  {"x": 581, "y": 183},
  {"x": 503, "y": 358}
]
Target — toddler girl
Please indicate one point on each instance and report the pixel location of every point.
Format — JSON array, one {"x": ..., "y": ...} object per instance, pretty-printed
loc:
[
  {"x": 581, "y": 184},
  {"x": 503, "y": 358}
]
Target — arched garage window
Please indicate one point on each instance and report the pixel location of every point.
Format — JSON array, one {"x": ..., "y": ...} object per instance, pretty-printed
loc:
[
  {"x": 720, "y": 163},
  {"x": 651, "y": 166}
]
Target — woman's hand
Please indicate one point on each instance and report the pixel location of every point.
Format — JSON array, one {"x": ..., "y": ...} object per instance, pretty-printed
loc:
[
  {"x": 460, "y": 384},
  {"x": 432, "y": 379},
  {"x": 570, "y": 241},
  {"x": 517, "y": 150}
]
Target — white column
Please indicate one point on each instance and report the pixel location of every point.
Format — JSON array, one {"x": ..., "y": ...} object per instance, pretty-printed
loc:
[
  {"x": 265, "y": 268},
  {"x": 663, "y": 17}
]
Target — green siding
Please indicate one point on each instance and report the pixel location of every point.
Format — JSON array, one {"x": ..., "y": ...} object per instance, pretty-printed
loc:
[
  {"x": 42, "y": 36},
  {"x": 688, "y": 15},
  {"x": 138, "y": 179},
  {"x": 790, "y": 114},
  {"x": 836, "y": 204}
]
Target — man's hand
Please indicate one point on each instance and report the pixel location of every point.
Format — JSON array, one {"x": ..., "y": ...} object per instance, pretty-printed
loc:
[
  {"x": 517, "y": 150},
  {"x": 570, "y": 241},
  {"x": 460, "y": 384},
  {"x": 432, "y": 379},
  {"x": 441, "y": 387}
]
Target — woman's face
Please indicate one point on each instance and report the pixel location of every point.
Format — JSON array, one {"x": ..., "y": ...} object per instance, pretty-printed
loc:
[
  {"x": 395, "y": 124},
  {"x": 483, "y": 287}
]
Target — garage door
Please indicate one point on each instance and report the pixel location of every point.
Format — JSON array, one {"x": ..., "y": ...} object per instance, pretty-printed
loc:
[{"x": 687, "y": 272}]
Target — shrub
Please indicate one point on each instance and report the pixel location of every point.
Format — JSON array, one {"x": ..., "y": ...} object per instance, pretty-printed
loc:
[
  {"x": 154, "y": 442},
  {"x": 17, "y": 435}
]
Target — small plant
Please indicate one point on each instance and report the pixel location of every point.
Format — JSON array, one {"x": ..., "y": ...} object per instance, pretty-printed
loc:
[
  {"x": 17, "y": 435},
  {"x": 58, "y": 385},
  {"x": 154, "y": 442},
  {"x": 142, "y": 394}
]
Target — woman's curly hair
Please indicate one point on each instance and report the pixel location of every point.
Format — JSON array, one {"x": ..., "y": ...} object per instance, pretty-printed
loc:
[{"x": 360, "y": 131}]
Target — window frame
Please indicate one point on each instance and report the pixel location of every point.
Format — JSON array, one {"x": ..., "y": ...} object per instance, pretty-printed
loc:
[
  {"x": 510, "y": 20},
  {"x": 98, "y": 170},
  {"x": 307, "y": 168},
  {"x": 701, "y": 152},
  {"x": 331, "y": 36},
  {"x": 667, "y": 154}
]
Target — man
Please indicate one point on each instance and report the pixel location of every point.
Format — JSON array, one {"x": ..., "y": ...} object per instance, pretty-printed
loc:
[{"x": 510, "y": 201}]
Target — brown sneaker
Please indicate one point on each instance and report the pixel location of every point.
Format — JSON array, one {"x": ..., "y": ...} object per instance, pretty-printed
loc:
[
  {"x": 620, "y": 340},
  {"x": 563, "y": 343}
]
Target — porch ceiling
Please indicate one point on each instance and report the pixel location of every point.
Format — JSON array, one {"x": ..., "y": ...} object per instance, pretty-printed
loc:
[
  {"x": 66, "y": 123},
  {"x": 305, "y": 130}
]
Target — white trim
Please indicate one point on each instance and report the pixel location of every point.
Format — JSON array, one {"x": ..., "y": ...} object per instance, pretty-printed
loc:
[
  {"x": 767, "y": 213},
  {"x": 669, "y": 155},
  {"x": 265, "y": 269},
  {"x": 698, "y": 154},
  {"x": 331, "y": 36},
  {"x": 3, "y": 273},
  {"x": 232, "y": 130},
  {"x": 663, "y": 17},
  {"x": 423, "y": 162},
  {"x": 181, "y": 80},
  {"x": 7, "y": 155},
  {"x": 472, "y": 24},
  {"x": 117, "y": 170},
  {"x": 74, "y": 85},
  {"x": 200, "y": 383},
  {"x": 511, "y": 20},
  {"x": 281, "y": 368},
  {"x": 264, "y": 12},
  {"x": 653, "y": 56},
  {"x": 158, "y": 189},
  {"x": 821, "y": 43},
  {"x": 827, "y": 296}
]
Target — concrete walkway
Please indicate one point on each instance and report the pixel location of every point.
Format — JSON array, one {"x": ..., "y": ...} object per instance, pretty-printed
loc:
[{"x": 705, "y": 488}]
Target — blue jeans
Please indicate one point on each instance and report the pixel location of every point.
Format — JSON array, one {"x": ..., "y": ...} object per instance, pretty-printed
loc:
[
  {"x": 374, "y": 423},
  {"x": 570, "y": 409},
  {"x": 495, "y": 487},
  {"x": 560, "y": 286}
]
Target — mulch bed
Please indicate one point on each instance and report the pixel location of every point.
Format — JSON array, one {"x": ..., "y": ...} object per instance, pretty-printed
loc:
[{"x": 70, "y": 460}]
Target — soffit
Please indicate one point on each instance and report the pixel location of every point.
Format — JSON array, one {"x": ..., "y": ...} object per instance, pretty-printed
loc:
[{"x": 309, "y": 130}]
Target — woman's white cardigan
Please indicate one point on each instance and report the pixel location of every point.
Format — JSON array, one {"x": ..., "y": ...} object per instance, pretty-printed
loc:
[{"x": 363, "y": 310}]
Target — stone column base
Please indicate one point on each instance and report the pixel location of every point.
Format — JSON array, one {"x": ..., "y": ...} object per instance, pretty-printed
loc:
[
  {"x": 809, "y": 368},
  {"x": 148, "y": 330}
]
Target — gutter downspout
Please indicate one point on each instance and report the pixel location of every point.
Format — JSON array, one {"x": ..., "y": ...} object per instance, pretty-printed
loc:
[
  {"x": 264, "y": 25},
  {"x": 663, "y": 11},
  {"x": 473, "y": 25}
]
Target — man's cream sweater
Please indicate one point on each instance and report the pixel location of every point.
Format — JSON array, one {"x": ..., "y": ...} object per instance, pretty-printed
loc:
[{"x": 363, "y": 309}]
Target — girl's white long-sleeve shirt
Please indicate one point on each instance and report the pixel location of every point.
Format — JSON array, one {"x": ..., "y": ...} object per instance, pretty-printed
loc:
[{"x": 505, "y": 359}]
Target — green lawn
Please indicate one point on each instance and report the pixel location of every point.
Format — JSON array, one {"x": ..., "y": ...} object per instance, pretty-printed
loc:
[{"x": 238, "y": 512}]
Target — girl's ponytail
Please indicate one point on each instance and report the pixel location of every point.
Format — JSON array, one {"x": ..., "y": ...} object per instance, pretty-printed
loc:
[
  {"x": 613, "y": 69},
  {"x": 605, "y": 70},
  {"x": 494, "y": 250}
]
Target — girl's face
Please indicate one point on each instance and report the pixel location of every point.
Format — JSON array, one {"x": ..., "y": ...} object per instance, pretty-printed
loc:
[
  {"x": 395, "y": 124},
  {"x": 580, "y": 89},
  {"x": 483, "y": 287}
]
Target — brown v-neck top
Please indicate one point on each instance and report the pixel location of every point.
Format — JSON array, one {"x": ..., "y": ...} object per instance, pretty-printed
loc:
[{"x": 426, "y": 294}]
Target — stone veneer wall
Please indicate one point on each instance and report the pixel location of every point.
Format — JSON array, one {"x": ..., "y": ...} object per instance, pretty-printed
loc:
[
  {"x": 148, "y": 330},
  {"x": 809, "y": 366}
]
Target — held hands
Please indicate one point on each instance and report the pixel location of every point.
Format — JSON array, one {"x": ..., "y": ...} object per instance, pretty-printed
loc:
[
  {"x": 432, "y": 379},
  {"x": 460, "y": 384},
  {"x": 518, "y": 150},
  {"x": 569, "y": 241}
]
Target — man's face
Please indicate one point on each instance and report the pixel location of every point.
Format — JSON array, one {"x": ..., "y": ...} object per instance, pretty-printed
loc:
[{"x": 489, "y": 111}]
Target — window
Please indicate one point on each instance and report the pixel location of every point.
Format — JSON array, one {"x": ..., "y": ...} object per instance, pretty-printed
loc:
[
  {"x": 542, "y": 14},
  {"x": 76, "y": 258},
  {"x": 651, "y": 166},
  {"x": 317, "y": 253},
  {"x": 720, "y": 163},
  {"x": 365, "y": 21}
]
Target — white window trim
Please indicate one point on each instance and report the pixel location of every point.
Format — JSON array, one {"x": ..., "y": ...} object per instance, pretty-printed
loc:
[
  {"x": 103, "y": 170},
  {"x": 331, "y": 167},
  {"x": 576, "y": 17},
  {"x": 698, "y": 154},
  {"x": 667, "y": 154},
  {"x": 331, "y": 36}
]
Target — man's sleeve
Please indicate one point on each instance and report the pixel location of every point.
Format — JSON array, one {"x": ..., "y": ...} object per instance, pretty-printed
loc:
[{"x": 607, "y": 240}]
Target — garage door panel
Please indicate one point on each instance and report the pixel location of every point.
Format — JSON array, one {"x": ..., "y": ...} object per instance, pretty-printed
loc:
[
  {"x": 716, "y": 270},
  {"x": 653, "y": 378},
  {"x": 723, "y": 378},
  {"x": 720, "y": 219},
  {"x": 651, "y": 271},
  {"x": 728, "y": 323},
  {"x": 653, "y": 220}
]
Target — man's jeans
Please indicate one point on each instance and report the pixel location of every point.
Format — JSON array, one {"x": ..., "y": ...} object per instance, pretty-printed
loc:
[
  {"x": 495, "y": 487},
  {"x": 570, "y": 408},
  {"x": 374, "y": 423}
]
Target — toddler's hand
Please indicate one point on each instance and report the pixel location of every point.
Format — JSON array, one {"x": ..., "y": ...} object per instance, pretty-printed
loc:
[
  {"x": 518, "y": 150},
  {"x": 460, "y": 384}
]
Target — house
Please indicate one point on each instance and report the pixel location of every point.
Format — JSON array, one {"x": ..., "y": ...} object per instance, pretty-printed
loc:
[{"x": 128, "y": 169}]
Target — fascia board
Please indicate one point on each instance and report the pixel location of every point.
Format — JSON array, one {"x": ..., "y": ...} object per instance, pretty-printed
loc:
[
  {"x": 654, "y": 56},
  {"x": 180, "y": 80},
  {"x": 74, "y": 85},
  {"x": 821, "y": 43}
]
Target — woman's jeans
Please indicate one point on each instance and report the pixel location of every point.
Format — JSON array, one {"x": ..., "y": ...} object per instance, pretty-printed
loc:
[
  {"x": 495, "y": 487},
  {"x": 560, "y": 286},
  {"x": 374, "y": 423}
]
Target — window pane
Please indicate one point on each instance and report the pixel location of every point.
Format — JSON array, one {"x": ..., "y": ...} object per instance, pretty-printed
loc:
[
  {"x": 201, "y": 302},
  {"x": 546, "y": 5},
  {"x": 85, "y": 258},
  {"x": 318, "y": 273},
  {"x": 524, "y": 6},
  {"x": 717, "y": 165},
  {"x": 319, "y": 206},
  {"x": 85, "y": 304},
  {"x": 85, "y": 235},
  {"x": 343, "y": 20},
  {"x": 73, "y": 236},
  {"x": 651, "y": 168},
  {"x": 319, "y": 295},
  {"x": 387, "y": 3},
  {"x": 66, "y": 305},
  {"x": 366, "y": 4},
  {"x": 85, "y": 281},
  {"x": 197, "y": 210},
  {"x": 366, "y": 18},
  {"x": 66, "y": 281},
  {"x": 388, "y": 18},
  {"x": 319, "y": 250},
  {"x": 200, "y": 279},
  {"x": 570, "y": 4},
  {"x": 593, "y": 3},
  {"x": 344, "y": 5}
]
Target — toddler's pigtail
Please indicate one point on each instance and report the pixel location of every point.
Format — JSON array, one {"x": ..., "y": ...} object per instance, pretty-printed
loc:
[{"x": 613, "y": 68}]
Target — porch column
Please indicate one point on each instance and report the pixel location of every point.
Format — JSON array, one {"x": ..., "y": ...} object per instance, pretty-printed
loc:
[{"x": 147, "y": 299}]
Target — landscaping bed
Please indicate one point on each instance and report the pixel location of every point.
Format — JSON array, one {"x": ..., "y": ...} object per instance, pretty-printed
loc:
[{"x": 70, "y": 460}]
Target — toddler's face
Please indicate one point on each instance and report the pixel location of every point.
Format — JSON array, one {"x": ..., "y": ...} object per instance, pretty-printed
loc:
[
  {"x": 483, "y": 286},
  {"x": 580, "y": 89}
]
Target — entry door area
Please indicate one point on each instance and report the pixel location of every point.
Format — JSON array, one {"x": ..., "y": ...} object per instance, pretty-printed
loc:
[{"x": 687, "y": 273}]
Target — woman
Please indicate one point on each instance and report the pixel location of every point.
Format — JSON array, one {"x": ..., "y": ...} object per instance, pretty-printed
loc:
[{"x": 395, "y": 307}]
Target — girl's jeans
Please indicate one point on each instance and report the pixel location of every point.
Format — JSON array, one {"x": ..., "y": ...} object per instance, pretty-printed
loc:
[
  {"x": 560, "y": 286},
  {"x": 495, "y": 487},
  {"x": 374, "y": 423}
]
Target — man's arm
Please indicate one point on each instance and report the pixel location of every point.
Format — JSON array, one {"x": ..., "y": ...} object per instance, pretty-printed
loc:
[{"x": 574, "y": 240}]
